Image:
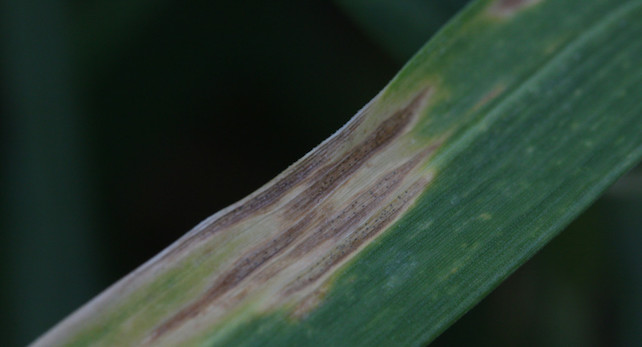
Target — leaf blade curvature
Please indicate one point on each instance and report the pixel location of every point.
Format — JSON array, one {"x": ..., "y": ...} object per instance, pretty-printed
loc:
[{"x": 491, "y": 139}]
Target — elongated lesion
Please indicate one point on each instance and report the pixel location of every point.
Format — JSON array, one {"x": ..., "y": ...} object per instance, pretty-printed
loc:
[
  {"x": 330, "y": 210},
  {"x": 280, "y": 246}
]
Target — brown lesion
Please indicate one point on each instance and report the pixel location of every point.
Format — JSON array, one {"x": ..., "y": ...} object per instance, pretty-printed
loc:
[
  {"x": 240, "y": 270},
  {"x": 350, "y": 245},
  {"x": 357, "y": 238},
  {"x": 272, "y": 194},
  {"x": 349, "y": 217},
  {"x": 360, "y": 207},
  {"x": 313, "y": 224},
  {"x": 337, "y": 172},
  {"x": 507, "y": 8},
  {"x": 490, "y": 96}
]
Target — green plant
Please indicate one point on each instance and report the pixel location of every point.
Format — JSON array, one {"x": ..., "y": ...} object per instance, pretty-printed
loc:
[{"x": 491, "y": 139}]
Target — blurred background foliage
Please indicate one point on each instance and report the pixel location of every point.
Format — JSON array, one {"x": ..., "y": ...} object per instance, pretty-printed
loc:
[{"x": 126, "y": 122}]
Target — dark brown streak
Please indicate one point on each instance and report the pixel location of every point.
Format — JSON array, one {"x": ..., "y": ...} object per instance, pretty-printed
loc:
[
  {"x": 357, "y": 210},
  {"x": 346, "y": 220},
  {"x": 240, "y": 270},
  {"x": 326, "y": 180},
  {"x": 330, "y": 177},
  {"x": 351, "y": 215},
  {"x": 273, "y": 193},
  {"x": 356, "y": 239}
]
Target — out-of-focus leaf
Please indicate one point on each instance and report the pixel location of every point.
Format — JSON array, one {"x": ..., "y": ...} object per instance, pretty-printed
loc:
[
  {"x": 401, "y": 27},
  {"x": 49, "y": 232}
]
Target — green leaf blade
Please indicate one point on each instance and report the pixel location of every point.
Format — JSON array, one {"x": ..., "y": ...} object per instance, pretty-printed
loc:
[
  {"x": 464, "y": 253},
  {"x": 521, "y": 113}
]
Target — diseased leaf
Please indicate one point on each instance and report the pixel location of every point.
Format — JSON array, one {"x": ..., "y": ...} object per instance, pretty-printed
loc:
[{"x": 504, "y": 127}]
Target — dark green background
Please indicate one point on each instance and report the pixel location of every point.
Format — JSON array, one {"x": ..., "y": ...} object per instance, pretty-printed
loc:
[{"x": 125, "y": 123}]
